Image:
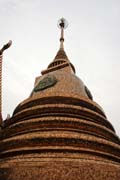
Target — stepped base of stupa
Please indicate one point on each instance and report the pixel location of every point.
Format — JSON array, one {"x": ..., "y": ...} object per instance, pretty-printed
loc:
[{"x": 59, "y": 169}]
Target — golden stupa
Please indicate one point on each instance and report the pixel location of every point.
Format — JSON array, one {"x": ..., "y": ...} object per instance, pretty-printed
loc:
[{"x": 59, "y": 132}]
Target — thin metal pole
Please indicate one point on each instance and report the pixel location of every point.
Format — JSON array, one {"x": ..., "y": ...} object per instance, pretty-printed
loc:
[
  {"x": 1, "y": 118},
  {"x": 6, "y": 46}
]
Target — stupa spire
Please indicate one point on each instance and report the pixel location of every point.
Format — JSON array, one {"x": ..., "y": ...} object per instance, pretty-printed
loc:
[
  {"x": 62, "y": 24},
  {"x": 61, "y": 60},
  {"x": 6, "y": 46}
]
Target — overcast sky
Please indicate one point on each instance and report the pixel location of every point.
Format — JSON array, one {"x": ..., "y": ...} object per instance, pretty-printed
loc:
[{"x": 92, "y": 43}]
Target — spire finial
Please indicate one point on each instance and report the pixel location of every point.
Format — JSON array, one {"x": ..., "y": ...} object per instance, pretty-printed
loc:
[
  {"x": 62, "y": 24},
  {"x": 6, "y": 46}
]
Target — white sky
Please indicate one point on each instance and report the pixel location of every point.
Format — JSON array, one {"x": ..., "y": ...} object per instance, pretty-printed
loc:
[{"x": 92, "y": 43}]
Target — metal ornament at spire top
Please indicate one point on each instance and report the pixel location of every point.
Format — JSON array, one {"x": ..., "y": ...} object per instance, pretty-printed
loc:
[{"x": 62, "y": 24}]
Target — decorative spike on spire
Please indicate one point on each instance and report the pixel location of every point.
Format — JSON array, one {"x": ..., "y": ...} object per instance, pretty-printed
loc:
[
  {"x": 6, "y": 46},
  {"x": 62, "y": 24}
]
